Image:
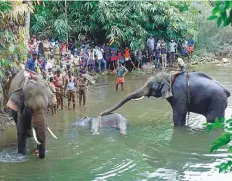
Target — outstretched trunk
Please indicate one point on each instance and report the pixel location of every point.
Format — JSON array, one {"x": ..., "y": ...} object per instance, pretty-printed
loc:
[{"x": 144, "y": 91}]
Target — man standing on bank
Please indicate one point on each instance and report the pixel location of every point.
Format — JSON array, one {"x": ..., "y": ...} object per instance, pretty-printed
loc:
[{"x": 121, "y": 72}]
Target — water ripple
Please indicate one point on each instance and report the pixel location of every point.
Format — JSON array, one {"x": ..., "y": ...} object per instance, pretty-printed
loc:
[
  {"x": 126, "y": 165},
  {"x": 7, "y": 156}
]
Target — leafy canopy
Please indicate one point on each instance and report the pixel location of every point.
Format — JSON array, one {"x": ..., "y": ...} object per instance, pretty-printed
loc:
[
  {"x": 123, "y": 21},
  {"x": 222, "y": 12}
]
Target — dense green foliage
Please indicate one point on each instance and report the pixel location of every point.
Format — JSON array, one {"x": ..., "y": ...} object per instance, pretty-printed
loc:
[
  {"x": 210, "y": 38},
  {"x": 124, "y": 21},
  {"x": 222, "y": 141},
  {"x": 222, "y": 12},
  {"x": 13, "y": 41}
]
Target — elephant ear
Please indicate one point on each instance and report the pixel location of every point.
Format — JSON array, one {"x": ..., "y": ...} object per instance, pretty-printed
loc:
[
  {"x": 15, "y": 101},
  {"x": 166, "y": 90}
]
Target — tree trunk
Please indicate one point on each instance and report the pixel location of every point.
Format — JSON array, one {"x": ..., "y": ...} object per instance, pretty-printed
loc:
[
  {"x": 27, "y": 26},
  {"x": 66, "y": 15}
]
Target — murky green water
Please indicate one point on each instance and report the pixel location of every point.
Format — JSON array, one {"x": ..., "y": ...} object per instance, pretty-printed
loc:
[{"x": 152, "y": 149}]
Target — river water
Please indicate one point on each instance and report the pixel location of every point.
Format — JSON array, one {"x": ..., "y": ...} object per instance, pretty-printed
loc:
[{"x": 152, "y": 149}]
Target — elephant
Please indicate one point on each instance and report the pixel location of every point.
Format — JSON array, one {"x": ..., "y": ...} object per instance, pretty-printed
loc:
[
  {"x": 186, "y": 92},
  {"x": 114, "y": 120},
  {"x": 29, "y": 102}
]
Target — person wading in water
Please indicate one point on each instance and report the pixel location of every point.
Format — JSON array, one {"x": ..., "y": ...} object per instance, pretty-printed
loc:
[
  {"x": 70, "y": 87},
  {"x": 58, "y": 81},
  {"x": 121, "y": 72},
  {"x": 82, "y": 84}
]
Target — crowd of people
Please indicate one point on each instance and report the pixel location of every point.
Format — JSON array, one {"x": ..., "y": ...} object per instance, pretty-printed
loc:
[
  {"x": 94, "y": 57},
  {"x": 67, "y": 67}
]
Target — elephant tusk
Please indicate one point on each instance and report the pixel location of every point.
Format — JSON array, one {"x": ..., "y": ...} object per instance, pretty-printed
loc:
[
  {"x": 138, "y": 99},
  {"x": 53, "y": 135},
  {"x": 35, "y": 137}
]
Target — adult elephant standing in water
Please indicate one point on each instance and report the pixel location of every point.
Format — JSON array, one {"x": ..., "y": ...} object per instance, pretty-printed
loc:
[
  {"x": 29, "y": 102},
  {"x": 204, "y": 95}
]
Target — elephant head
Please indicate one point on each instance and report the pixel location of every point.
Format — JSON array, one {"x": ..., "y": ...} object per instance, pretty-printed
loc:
[
  {"x": 157, "y": 86},
  {"x": 31, "y": 103}
]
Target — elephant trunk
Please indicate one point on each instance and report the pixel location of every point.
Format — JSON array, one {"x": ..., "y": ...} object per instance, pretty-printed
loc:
[
  {"x": 144, "y": 91},
  {"x": 39, "y": 132}
]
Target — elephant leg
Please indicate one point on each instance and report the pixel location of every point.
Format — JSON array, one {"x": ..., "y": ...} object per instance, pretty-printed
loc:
[
  {"x": 213, "y": 114},
  {"x": 22, "y": 134},
  {"x": 216, "y": 110},
  {"x": 179, "y": 117},
  {"x": 179, "y": 112}
]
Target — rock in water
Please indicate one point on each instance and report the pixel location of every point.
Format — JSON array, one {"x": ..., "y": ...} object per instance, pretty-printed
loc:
[{"x": 225, "y": 60}]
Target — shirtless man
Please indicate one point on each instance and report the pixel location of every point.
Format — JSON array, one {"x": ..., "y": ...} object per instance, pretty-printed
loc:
[{"x": 58, "y": 82}]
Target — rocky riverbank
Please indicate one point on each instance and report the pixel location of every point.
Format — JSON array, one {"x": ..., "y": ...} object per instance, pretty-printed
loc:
[{"x": 220, "y": 58}]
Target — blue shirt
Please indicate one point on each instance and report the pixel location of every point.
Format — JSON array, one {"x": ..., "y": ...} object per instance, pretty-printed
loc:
[
  {"x": 30, "y": 65},
  {"x": 190, "y": 42},
  {"x": 43, "y": 64}
]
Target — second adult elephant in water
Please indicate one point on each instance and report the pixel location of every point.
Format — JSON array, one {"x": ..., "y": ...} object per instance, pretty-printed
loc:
[
  {"x": 204, "y": 95},
  {"x": 29, "y": 102}
]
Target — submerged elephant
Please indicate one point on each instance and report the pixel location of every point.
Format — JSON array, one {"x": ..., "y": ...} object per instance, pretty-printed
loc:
[
  {"x": 29, "y": 105},
  {"x": 204, "y": 95},
  {"x": 114, "y": 120}
]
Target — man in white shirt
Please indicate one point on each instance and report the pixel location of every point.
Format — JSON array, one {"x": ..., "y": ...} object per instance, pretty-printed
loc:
[
  {"x": 172, "y": 50},
  {"x": 151, "y": 46},
  {"x": 99, "y": 53}
]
